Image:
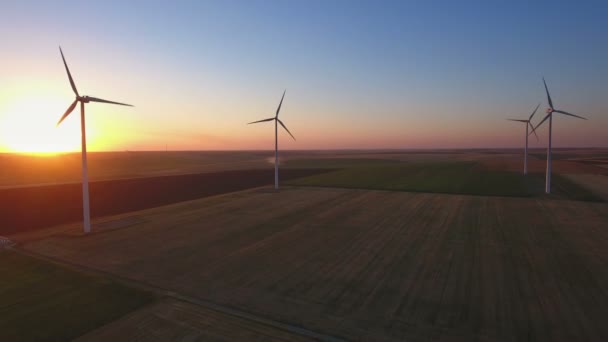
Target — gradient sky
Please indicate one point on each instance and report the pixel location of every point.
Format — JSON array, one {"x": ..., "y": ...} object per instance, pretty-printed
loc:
[{"x": 359, "y": 74}]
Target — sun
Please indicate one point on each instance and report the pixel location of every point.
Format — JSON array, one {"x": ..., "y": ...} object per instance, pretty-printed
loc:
[{"x": 28, "y": 125}]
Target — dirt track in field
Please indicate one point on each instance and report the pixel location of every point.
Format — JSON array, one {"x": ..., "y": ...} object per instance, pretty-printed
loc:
[
  {"x": 29, "y": 208},
  {"x": 373, "y": 265}
]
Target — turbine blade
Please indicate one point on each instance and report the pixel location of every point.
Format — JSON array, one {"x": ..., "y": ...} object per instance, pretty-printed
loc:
[
  {"x": 566, "y": 113},
  {"x": 281, "y": 122},
  {"x": 543, "y": 120},
  {"x": 67, "y": 112},
  {"x": 261, "y": 121},
  {"x": 94, "y": 99},
  {"x": 534, "y": 112},
  {"x": 280, "y": 103},
  {"x": 69, "y": 74},
  {"x": 548, "y": 96},
  {"x": 517, "y": 120},
  {"x": 533, "y": 130}
]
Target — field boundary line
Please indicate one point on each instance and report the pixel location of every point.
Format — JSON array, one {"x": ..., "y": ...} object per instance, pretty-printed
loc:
[{"x": 163, "y": 292}]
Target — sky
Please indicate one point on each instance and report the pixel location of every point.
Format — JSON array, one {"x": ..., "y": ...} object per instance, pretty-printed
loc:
[{"x": 358, "y": 74}]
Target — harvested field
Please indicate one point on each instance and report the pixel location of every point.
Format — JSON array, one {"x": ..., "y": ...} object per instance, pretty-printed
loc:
[
  {"x": 30, "y": 208},
  {"x": 172, "y": 320},
  {"x": 373, "y": 265}
]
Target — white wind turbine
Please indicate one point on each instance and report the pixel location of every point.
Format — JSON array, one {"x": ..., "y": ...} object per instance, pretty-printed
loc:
[
  {"x": 549, "y": 116},
  {"x": 528, "y": 125},
  {"x": 85, "y": 175},
  {"x": 276, "y": 139}
]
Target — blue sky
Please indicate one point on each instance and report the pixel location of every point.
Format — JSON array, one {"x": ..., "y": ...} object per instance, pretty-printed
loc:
[{"x": 359, "y": 74}]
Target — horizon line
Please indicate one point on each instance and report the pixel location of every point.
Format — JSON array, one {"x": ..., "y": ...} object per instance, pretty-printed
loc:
[{"x": 316, "y": 150}]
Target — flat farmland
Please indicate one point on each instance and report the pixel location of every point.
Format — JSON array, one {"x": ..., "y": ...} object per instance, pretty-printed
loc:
[
  {"x": 28, "y": 170},
  {"x": 36, "y": 207},
  {"x": 454, "y": 177},
  {"x": 42, "y": 301},
  {"x": 172, "y": 320},
  {"x": 19, "y": 170},
  {"x": 596, "y": 183},
  {"x": 375, "y": 265},
  {"x": 538, "y": 164}
]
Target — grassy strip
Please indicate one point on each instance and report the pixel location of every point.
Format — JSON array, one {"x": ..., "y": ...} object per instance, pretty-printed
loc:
[{"x": 43, "y": 301}]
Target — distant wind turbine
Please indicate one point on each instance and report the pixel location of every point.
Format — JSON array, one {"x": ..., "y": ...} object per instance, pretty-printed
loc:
[
  {"x": 549, "y": 116},
  {"x": 276, "y": 139},
  {"x": 528, "y": 125},
  {"x": 85, "y": 175}
]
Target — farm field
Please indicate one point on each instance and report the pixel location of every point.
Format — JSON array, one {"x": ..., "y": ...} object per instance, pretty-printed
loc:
[
  {"x": 35, "y": 207},
  {"x": 22, "y": 170},
  {"x": 375, "y": 265},
  {"x": 28, "y": 170},
  {"x": 66, "y": 168},
  {"x": 596, "y": 183},
  {"x": 464, "y": 177},
  {"x": 172, "y": 320},
  {"x": 43, "y": 301}
]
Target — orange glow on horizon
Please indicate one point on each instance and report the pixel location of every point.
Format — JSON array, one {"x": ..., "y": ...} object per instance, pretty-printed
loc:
[{"x": 28, "y": 125}]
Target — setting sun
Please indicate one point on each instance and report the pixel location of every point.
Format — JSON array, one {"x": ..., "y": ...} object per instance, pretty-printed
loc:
[{"x": 28, "y": 125}]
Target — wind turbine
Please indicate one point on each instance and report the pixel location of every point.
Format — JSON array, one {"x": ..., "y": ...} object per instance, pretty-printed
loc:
[
  {"x": 528, "y": 125},
  {"x": 276, "y": 139},
  {"x": 85, "y": 175},
  {"x": 549, "y": 116}
]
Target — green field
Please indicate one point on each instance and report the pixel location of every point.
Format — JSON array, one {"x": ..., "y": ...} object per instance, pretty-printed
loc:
[
  {"x": 43, "y": 301},
  {"x": 338, "y": 163},
  {"x": 445, "y": 177}
]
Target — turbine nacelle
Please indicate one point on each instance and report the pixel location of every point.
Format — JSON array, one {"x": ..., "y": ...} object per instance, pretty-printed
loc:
[
  {"x": 81, "y": 99},
  {"x": 276, "y": 117},
  {"x": 551, "y": 109},
  {"x": 529, "y": 122}
]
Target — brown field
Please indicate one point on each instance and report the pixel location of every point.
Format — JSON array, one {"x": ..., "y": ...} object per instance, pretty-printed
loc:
[{"x": 369, "y": 265}]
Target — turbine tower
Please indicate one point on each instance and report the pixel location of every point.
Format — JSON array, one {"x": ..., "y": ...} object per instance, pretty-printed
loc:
[
  {"x": 85, "y": 174},
  {"x": 549, "y": 116},
  {"x": 528, "y": 125},
  {"x": 277, "y": 121}
]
